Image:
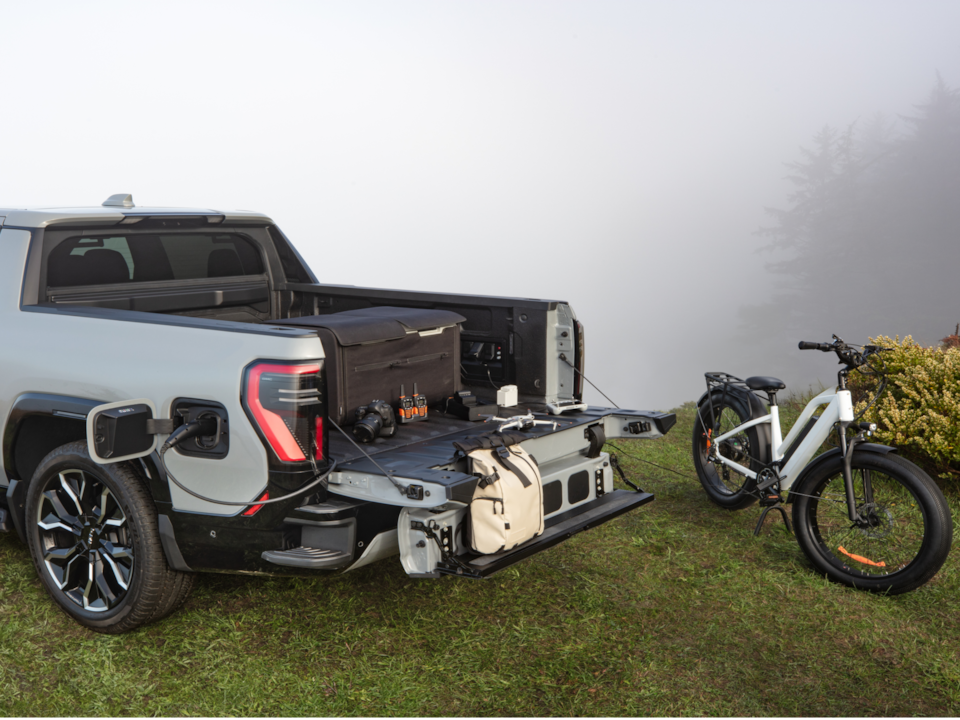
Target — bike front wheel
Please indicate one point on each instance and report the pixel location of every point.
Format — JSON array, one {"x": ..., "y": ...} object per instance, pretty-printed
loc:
[{"x": 903, "y": 533}]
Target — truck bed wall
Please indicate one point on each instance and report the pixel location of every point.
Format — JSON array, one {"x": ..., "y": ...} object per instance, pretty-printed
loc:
[{"x": 529, "y": 333}]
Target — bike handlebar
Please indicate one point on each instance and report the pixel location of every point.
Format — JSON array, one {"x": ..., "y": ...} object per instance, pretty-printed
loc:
[
  {"x": 822, "y": 347},
  {"x": 849, "y": 356}
]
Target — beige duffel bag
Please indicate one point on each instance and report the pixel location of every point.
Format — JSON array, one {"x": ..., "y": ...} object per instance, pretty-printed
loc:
[{"x": 507, "y": 506}]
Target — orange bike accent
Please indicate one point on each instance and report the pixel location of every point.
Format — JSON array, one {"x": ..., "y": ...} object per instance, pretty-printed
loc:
[
  {"x": 860, "y": 558},
  {"x": 709, "y": 432}
]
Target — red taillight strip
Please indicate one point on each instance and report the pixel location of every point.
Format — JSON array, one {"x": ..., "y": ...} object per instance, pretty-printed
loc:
[
  {"x": 272, "y": 425},
  {"x": 255, "y": 508}
]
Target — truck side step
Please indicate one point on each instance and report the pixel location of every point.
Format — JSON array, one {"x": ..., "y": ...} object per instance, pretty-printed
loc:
[
  {"x": 561, "y": 527},
  {"x": 310, "y": 558}
]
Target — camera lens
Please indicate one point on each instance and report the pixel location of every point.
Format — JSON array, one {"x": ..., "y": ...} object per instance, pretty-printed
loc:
[{"x": 367, "y": 429}]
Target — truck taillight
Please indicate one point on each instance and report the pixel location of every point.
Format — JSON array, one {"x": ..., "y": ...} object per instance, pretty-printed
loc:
[{"x": 285, "y": 403}]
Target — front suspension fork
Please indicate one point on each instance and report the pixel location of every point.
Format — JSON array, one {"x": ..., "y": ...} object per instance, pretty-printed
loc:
[{"x": 847, "y": 448}]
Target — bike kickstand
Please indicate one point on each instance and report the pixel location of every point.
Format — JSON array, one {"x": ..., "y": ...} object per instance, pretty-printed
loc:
[{"x": 763, "y": 516}]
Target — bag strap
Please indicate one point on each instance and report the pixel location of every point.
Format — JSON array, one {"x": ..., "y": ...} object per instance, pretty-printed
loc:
[
  {"x": 504, "y": 457},
  {"x": 488, "y": 479}
]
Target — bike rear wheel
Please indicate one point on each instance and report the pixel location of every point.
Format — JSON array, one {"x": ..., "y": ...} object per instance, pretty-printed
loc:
[
  {"x": 904, "y": 535},
  {"x": 724, "y": 486}
]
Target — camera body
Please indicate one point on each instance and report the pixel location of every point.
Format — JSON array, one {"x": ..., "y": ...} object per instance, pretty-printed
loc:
[{"x": 374, "y": 420}]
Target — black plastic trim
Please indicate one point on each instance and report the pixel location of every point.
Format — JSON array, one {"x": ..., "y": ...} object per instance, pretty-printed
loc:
[
  {"x": 170, "y": 547},
  {"x": 237, "y": 543},
  {"x": 16, "y": 502},
  {"x": 421, "y": 297},
  {"x": 800, "y": 438},
  {"x": 664, "y": 421},
  {"x": 61, "y": 406}
]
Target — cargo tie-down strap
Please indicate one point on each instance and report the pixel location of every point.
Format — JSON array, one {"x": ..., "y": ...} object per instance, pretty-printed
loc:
[{"x": 489, "y": 442}]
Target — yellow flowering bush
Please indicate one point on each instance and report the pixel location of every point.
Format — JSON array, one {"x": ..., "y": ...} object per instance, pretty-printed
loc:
[{"x": 920, "y": 410}]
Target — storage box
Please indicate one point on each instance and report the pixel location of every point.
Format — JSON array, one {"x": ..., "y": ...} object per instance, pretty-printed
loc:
[{"x": 371, "y": 352}]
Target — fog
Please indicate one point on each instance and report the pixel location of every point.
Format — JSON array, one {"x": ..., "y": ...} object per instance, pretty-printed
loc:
[{"x": 620, "y": 156}]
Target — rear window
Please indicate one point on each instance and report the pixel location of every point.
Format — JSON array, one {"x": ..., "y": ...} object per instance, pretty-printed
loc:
[{"x": 113, "y": 258}]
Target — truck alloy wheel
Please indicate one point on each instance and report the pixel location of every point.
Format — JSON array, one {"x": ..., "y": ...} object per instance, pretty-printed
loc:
[
  {"x": 85, "y": 540},
  {"x": 92, "y": 532}
]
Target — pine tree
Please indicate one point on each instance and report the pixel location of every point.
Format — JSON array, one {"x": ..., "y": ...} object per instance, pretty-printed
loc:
[{"x": 871, "y": 239}]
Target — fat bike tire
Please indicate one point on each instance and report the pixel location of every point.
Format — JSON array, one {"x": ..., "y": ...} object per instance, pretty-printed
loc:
[
  {"x": 904, "y": 539},
  {"x": 725, "y": 487}
]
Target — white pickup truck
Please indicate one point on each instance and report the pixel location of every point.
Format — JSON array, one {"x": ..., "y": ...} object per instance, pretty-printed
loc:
[{"x": 190, "y": 312}]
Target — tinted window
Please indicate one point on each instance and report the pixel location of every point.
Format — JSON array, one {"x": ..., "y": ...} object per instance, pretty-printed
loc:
[
  {"x": 293, "y": 266},
  {"x": 149, "y": 257}
]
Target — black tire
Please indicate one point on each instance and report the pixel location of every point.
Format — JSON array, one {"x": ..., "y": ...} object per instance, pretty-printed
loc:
[
  {"x": 726, "y": 488},
  {"x": 907, "y": 536},
  {"x": 176, "y": 590},
  {"x": 93, "y": 536}
]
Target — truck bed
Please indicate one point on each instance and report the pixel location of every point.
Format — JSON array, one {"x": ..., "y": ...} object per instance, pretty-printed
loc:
[{"x": 424, "y": 451}]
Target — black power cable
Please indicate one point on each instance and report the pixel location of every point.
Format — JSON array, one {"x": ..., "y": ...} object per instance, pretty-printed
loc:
[
  {"x": 640, "y": 459},
  {"x": 577, "y": 370},
  {"x": 200, "y": 427},
  {"x": 389, "y": 476}
]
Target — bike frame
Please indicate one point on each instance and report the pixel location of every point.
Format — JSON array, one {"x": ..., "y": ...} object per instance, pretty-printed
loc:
[{"x": 839, "y": 409}]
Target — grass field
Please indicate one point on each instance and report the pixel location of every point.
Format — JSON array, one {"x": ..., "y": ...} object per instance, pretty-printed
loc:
[{"x": 673, "y": 609}]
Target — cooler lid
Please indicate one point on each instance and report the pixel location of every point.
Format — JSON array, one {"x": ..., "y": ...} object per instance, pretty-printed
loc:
[{"x": 377, "y": 324}]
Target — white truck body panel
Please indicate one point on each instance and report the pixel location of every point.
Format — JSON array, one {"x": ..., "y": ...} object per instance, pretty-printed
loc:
[{"x": 68, "y": 355}]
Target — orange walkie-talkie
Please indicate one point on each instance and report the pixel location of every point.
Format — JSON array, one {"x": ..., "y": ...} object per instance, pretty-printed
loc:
[
  {"x": 420, "y": 404},
  {"x": 407, "y": 409}
]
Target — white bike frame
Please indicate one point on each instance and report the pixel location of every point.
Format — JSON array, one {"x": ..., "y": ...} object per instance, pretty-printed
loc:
[{"x": 839, "y": 408}]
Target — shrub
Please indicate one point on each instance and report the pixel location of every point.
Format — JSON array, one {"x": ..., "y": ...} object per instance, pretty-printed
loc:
[{"x": 920, "y": 410}]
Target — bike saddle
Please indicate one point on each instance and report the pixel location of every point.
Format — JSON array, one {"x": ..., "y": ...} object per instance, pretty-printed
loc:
[{"x": 766, "y": 384}]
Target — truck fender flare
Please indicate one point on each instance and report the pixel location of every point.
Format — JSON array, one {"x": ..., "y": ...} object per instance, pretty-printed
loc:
[
  {"x": 69, "y": 414},
  {"x": 834, "y": 454},
  {"x": 62, "y": 407}
]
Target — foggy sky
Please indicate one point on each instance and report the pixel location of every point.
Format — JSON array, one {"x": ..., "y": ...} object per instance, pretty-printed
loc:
[{"x": 617, "y": 155}]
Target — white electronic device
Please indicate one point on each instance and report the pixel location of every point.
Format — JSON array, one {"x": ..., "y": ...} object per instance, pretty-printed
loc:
[{"x": 507, "y": 396}]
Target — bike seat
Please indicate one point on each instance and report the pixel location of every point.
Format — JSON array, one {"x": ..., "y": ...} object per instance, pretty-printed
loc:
[{"x": 767, "y": 384}]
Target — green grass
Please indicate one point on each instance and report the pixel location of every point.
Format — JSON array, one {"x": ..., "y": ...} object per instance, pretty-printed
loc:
[{"x": 673, "y": 609}]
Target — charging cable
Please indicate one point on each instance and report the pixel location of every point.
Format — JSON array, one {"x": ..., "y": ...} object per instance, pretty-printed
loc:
[
  {"x": 404, "y": 489},
  {"x": 208, "y": 426}
]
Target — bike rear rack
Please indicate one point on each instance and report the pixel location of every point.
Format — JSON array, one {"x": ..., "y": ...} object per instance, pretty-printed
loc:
[
  {"x": 716, "y": 379},
  {"x": 724, "y": 381}
]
